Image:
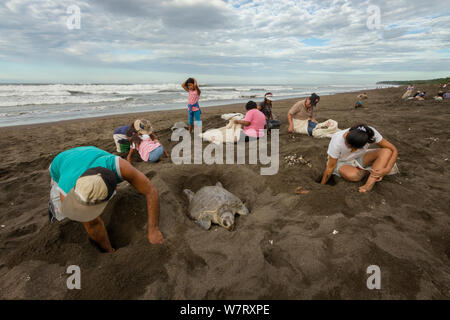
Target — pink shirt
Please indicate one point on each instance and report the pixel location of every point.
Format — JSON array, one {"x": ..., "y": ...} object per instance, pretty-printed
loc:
[
  {"x": 257, "y": 121},
  {"x": 147, "y": 145},
  {"x": 193, "y": 98}
]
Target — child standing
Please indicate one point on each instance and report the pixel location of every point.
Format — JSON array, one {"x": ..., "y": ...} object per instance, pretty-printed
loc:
[{"x": 190, "y": 85}]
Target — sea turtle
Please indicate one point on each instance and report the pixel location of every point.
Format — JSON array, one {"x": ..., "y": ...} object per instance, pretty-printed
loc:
[{"x": 214, "y": 204}]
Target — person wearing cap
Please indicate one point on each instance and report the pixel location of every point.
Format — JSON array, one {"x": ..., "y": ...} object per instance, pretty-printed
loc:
[
  {"x": 84, "y": 179},
  {"x": 266, "y": 108},
  {"x": 304, "y": 110}
]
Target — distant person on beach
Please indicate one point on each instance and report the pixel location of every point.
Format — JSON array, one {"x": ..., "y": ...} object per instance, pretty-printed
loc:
[
  {"x": 146, "y": 143},
  {"x": 304, "y": 110},
  {"x": 190, "y": 85},
  {"x": 349, "y": 156},
  {"x": 84, "y": 179},
  {"x": 121, "y": 136},
  {"x": 360, "y": 97},
  {"x": 254, "y": 123},
  {"x": 420, "y": 95},
  {"x": 266, "y": 108},
  {"x": 408, "y": 92}
]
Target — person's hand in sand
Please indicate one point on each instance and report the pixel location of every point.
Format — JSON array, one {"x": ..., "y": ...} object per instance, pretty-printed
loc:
[
  {"x": 142, "y": 184},
  {"x": 291, "y": 128}
]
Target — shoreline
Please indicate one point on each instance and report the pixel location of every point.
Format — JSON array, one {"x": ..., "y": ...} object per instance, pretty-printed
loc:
[{"x": 139, "y": 114}]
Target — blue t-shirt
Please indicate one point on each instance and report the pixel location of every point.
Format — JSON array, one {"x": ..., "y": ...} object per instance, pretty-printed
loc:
[
  {"x": 122, "y": 130},
  {"x": 69, "y": 165}
]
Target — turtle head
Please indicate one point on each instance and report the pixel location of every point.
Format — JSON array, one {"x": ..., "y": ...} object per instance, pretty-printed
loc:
[{"x": 226, "y": 220}]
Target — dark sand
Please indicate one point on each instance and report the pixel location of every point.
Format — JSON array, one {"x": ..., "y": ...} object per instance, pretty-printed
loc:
[{"x": 285, "y": 249}]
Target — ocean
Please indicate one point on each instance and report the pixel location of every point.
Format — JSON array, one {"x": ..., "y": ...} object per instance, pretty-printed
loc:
[{"x": 28, "y": 104}]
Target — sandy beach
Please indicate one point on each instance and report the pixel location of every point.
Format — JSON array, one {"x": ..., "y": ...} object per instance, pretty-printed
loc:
[{"x": 313, "y": 246}]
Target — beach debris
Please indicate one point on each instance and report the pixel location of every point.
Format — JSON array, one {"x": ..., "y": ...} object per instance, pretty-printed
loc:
[
  {"x": 179, "y": 125},
  {"x": 271, "y": 242},
  {"x": 383, "y": 201},
  {"x": 432, "y": 139},
  {"x": 335, "y": 232},
  {"x": 300, "y": 190},
  {"x": 293, "y": 160},
  {"x": 2, "y": 226},
  {"x": 214, "y": 204}
]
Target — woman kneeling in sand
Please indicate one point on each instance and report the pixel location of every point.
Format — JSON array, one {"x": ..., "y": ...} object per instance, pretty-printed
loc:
[{"x": 349, "y": 156}]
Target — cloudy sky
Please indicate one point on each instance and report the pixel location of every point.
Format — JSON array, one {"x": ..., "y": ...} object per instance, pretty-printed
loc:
[{"x": 224, "y": 41}]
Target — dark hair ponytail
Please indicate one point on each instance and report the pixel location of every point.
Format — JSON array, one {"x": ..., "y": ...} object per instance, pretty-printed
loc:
[
  {"x": 136, "y": 139},
  {"x": 131, "y": 131},
  {"x": 360, "y": 135}
]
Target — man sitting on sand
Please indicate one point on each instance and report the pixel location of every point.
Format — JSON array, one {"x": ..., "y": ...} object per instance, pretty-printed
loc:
[
  {"x": 301, "y": 112},
  {"x": 84, "y": 179}
]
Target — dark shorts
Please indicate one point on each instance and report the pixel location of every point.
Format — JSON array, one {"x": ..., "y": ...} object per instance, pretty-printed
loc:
[{"x": 272, "y": 124}]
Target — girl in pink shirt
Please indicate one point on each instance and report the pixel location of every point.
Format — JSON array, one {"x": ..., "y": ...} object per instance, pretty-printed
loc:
[
  {"x": 254, "y": 123},
  {"x": 147, "y": 146},
  {"x": 190, "y": 85}
]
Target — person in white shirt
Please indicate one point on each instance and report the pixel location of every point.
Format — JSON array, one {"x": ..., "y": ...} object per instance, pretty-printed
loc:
[{"x": 349, "y": 156}]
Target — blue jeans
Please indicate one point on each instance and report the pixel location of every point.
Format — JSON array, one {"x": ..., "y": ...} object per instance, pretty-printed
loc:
[
  {"x": 271, "y": 124},
  {"x": 156, "y": 154},
  {"x": 192, "y": 115},
  {"x": 311, "y": 126}
]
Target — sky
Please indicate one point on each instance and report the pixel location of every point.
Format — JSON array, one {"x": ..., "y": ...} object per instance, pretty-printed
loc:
[{"x": 223, "y": 41}]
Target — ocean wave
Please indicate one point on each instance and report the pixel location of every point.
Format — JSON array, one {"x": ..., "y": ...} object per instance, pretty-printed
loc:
[{"x": 73, "y": 99}]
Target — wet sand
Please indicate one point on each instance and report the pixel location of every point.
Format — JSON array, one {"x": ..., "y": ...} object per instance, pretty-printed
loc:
[{"x": 286, "y": 248}]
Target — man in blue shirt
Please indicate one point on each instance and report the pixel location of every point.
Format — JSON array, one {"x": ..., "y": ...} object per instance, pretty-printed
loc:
[{"x": 84, "y": 179}]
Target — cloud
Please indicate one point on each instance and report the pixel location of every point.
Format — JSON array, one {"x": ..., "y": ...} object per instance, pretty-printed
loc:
[{"x": 284, "y": 38}]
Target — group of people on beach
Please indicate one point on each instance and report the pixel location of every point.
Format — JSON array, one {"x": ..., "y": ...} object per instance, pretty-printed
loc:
[
  {"x": 421, "y": 95},
  {"x": 84, "y": 179}
]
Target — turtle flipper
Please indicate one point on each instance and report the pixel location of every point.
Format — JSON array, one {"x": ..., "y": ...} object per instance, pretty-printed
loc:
[
  {"x": 189, "y": 194},
  {"x": 204, "y": 223},
  {"x": 243, "y": 211}
]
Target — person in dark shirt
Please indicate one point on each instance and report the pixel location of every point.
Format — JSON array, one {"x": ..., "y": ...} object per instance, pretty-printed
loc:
[{"x": 266, "y": 108}]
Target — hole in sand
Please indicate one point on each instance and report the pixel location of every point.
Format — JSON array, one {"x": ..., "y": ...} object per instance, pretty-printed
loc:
[
  {"x": 126, "y": 217},
  {"x": 331, "y": 181}
]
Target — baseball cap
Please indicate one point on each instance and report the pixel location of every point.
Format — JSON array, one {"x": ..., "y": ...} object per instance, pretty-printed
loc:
[
  {"x": 269, "y": 96},
  {"x": 143, "y": 126},
  {"x": 313, "y": 99},
  {"x": 90, "y": 196}
]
